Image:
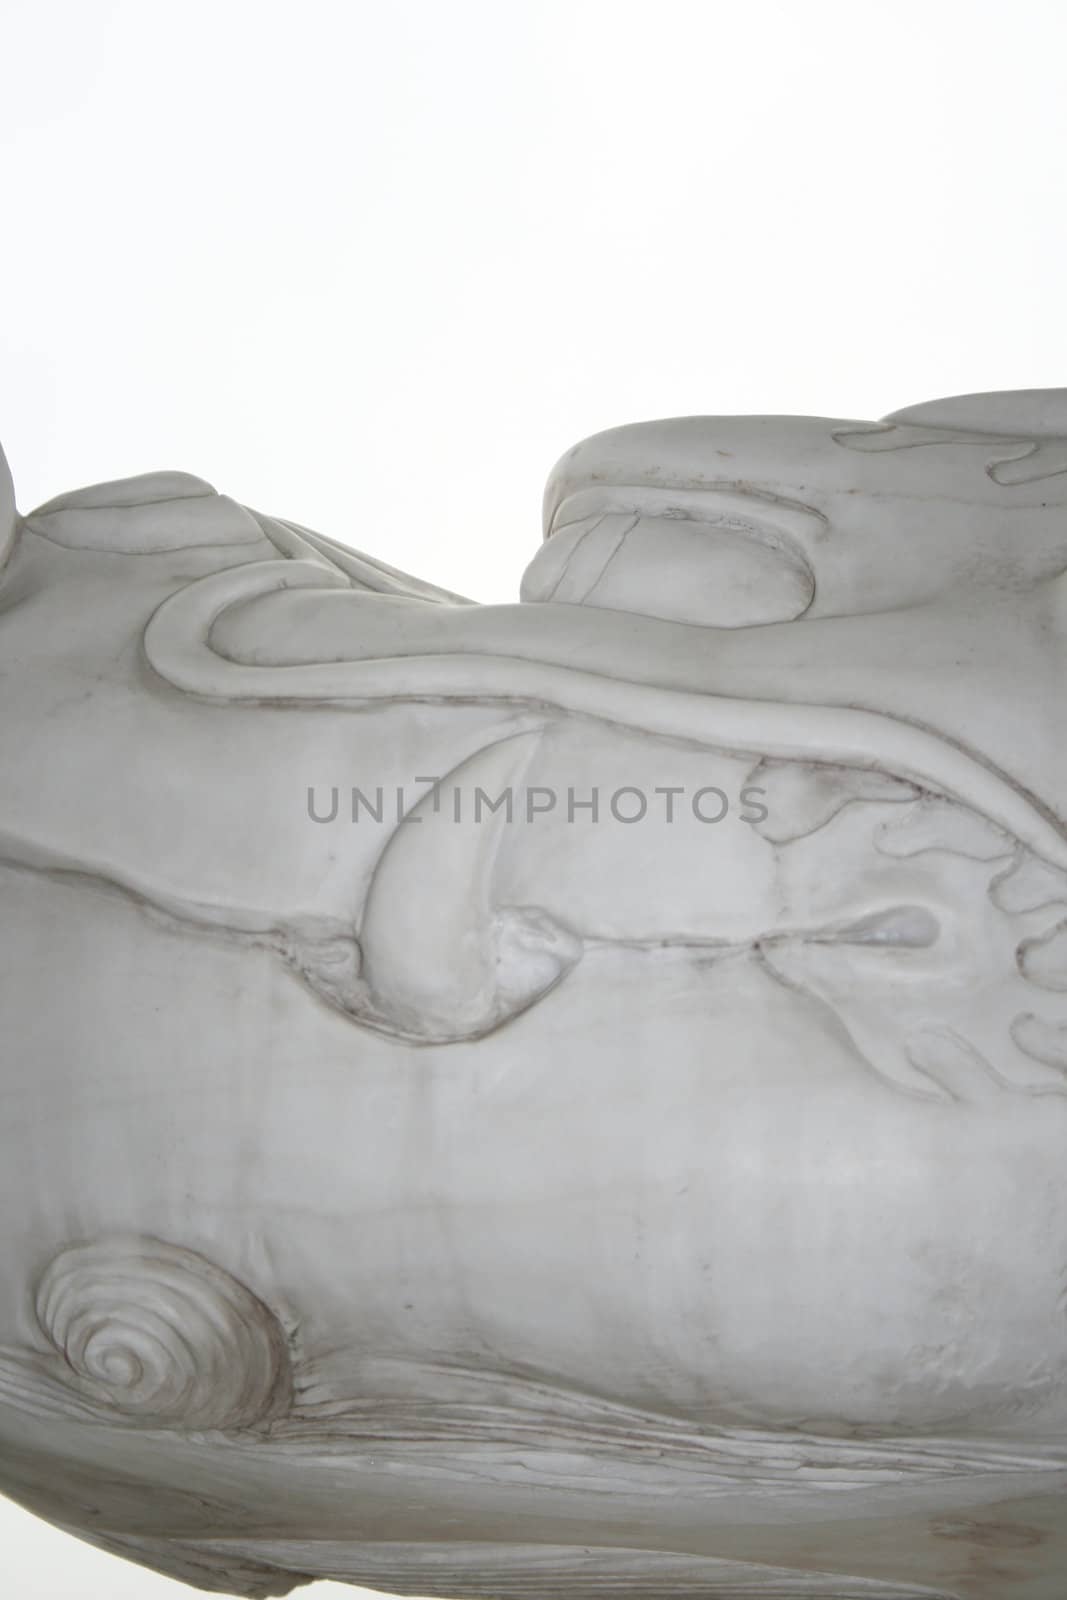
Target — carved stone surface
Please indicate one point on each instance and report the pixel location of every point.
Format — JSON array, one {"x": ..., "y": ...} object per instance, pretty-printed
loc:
[{"x": 558, "y": 1098}]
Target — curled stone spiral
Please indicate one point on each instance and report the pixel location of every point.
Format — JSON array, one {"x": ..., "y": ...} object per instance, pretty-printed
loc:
[{"x": 163, "y": 1336}]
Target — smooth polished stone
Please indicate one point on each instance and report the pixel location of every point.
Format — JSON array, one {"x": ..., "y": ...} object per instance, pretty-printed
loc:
[{"x": 543, "y": 1099}]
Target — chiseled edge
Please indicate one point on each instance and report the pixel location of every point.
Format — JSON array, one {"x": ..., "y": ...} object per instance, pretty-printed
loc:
[
  {"x": 494, "y": 1570},
  {"x": 9, "y": 521}
]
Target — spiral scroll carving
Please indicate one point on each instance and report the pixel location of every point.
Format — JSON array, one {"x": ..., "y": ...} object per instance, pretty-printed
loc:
[{"x": 163, "y": 1336}]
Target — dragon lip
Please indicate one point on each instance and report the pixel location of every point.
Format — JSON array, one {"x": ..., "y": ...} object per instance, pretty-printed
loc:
[{"x": 904, "y": 927}]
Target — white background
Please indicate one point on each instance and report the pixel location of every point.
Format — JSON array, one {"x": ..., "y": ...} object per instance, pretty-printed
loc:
[{"x": 375, "y": 266}]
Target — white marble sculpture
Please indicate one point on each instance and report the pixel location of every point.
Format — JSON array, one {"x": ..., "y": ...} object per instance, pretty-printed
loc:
[{"x": 554, "y": 1099}]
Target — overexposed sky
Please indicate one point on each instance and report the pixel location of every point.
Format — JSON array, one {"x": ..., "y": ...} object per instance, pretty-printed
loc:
[{"x": 375, "y": 266}]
